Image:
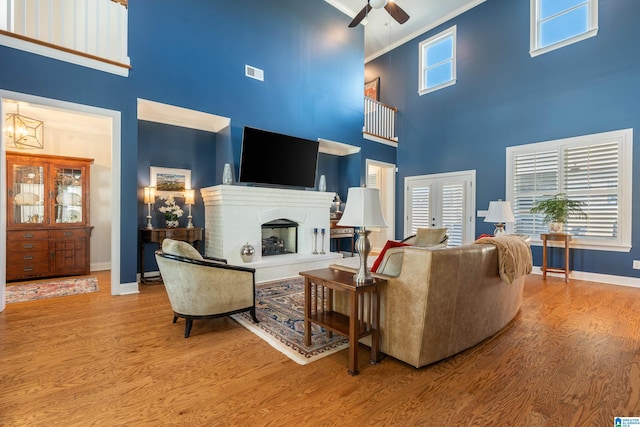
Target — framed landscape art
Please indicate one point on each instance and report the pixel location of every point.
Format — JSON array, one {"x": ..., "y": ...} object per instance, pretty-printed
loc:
[{"x": 170, "y": 181}]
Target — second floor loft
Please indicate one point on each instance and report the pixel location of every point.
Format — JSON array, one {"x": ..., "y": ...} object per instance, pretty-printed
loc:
[
  {"x": 92, "y": 33},
  {"x": 379, "y": 122}
]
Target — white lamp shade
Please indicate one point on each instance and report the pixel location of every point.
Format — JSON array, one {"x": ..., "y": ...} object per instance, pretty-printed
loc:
[
  {"x": 499, "y": 212},
  {"x": 363, "y": 208},
  {"x": 189, "y": 196},
  {"x": 149, "y": 195}
]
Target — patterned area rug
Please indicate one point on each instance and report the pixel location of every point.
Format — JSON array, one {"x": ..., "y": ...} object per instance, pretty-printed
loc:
[
  {"x": 280, "y": 310},
  {"x": 50, "y": 289}
]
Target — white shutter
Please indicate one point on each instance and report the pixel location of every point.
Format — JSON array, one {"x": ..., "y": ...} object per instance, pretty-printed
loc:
[
  {"x": 453, "y": 212},
  {"x": 591, "y": 176},
  {"x": 420, "y": 208},
  {"x": 535, "y": 177}
]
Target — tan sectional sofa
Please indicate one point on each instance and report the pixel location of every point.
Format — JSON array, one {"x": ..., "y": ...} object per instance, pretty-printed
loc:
[{"x": 439, "y": 302}]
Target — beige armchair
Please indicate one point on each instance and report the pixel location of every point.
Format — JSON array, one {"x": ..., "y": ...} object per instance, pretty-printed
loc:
[{"x": 201, "y": 288}]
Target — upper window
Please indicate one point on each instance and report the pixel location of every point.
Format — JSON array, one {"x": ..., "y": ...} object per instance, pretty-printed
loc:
[
  {"x": 594, "y": 169},
  {"x": 438, "y": 61},
  {"x": 558, "y": 23}
]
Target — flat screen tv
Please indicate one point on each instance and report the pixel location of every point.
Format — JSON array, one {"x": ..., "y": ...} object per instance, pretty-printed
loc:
[{"x": 274, "y": 159}]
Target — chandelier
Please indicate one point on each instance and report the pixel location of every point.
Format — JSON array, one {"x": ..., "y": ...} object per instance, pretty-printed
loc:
[{"x": 24, "y": 132}]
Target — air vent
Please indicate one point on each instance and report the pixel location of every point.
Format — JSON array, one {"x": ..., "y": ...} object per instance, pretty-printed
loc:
[{"x": 254, "y": 73}]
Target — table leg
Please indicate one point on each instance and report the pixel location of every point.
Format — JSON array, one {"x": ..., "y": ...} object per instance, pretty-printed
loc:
[
  {"x": 544, "y": 257},
  {"x": 307, "y": 311},
  {"x": 353, "y": 335},
  {"x": 566, "y": 259},
  {"x": 141, "y": 252}
]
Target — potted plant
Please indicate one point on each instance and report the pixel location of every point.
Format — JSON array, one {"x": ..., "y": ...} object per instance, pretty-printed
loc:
[{"x": 557, "y": 209}]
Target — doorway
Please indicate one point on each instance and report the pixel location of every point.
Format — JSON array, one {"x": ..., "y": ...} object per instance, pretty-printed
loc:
[
  {"x": 80, "y": 111},
  {"x": 442, "y": 200},
  {"x": 382, "y": 176}
]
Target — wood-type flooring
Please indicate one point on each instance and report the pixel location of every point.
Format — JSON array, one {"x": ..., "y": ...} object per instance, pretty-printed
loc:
[{"x": 571, "y": 357}]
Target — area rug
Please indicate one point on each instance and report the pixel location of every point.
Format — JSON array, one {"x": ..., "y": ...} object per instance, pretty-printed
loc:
[
  {"x": 49, "y": 289},
  {"x": 280, "y": 310}
]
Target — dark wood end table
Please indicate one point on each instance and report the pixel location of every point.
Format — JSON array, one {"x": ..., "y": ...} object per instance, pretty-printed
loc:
[
  {"x": 157, "y": 235},
  {"x": 364, "y": 310},
  {"x": 565, "y": 239}
]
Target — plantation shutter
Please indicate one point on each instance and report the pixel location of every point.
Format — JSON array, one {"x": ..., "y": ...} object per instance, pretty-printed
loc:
[
  {"x": 591, "y": 176},
  {"x": 535, "y": 176},
  {"x": 453, "y": 212},
  {"x": 420, "y": 208}
]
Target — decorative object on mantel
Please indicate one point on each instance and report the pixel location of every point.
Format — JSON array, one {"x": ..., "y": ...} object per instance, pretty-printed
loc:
[
  {"x": 322, "y": 252},
  {"x": 227, "y": 178},
  {"x": 322, "y": 185},
  {"x": 363, "y": 210},
  {"x": 315, "y": 241},
  {"x": 499, "y": 213},
  {"x": 171, "y": 211},
  {"x": 149, "y": 199},
  {"x": 556, "y": 210},
  {"x": 246, "y": 252},
  {"x": 337, "y": 201},
  {"x": 24, "y": 132},
  {"x": 189, "y": 199}
]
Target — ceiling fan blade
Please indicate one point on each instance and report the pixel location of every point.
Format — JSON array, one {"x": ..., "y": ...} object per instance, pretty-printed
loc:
[
  {"x": 396, "y": 12},
  {"x": 360, "y": 16}
]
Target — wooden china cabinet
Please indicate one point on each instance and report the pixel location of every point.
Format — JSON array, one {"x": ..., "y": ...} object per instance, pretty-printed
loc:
[{"x": 48, "y": 227}]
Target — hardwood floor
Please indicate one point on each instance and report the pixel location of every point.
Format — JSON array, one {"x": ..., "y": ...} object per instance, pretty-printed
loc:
[{"x": 571, "y": 357}]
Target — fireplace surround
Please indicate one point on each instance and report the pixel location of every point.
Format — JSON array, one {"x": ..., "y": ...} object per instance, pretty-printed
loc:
[{"x": 235, "y": 214}]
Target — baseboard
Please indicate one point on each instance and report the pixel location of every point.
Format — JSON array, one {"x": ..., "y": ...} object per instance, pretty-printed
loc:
[
  {"x": 609, "y": 279},
  {"x": 100, "y": 266},
  {"x": 127, "y": 289}
]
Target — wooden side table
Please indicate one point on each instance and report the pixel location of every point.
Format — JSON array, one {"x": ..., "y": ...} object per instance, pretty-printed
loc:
[
  {"x": 562, "y": 237},
  {"x": 364, "y": 310},
  {"x": 157, "y": 235},
  {"x": 339, "y": 233}
]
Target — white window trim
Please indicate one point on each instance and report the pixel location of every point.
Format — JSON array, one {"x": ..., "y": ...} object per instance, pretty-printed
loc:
[
  {"x": 625, "y": 136},
  {"x": 453, "y": 32},
  {"x": 534, "y": 50}
]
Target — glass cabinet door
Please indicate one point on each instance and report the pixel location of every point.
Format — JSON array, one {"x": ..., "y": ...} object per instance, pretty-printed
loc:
[
  {"x": 68, "y": 207},
  {"x": 27, "y": 194}
]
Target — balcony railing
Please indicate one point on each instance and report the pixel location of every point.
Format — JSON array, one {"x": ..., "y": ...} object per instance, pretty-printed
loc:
[
  {"x": 93, "y": 29},
  {"x": 379, "y": 121}
]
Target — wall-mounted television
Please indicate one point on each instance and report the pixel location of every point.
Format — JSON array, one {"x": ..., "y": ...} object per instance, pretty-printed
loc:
[{"x": 275, "y": 159}]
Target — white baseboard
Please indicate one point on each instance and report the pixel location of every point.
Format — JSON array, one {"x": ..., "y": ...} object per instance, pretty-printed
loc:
[
  {"x": 100, "y": 266},
  {"x": 128, "y": 289},
  {"x": 609, "y": 279}
]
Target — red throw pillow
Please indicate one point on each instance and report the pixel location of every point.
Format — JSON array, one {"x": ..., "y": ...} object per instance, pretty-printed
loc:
[{"x": 388, "y": 245}]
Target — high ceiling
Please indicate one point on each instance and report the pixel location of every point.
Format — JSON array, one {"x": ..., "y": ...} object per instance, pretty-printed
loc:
[{"x": 382, "y": 33}]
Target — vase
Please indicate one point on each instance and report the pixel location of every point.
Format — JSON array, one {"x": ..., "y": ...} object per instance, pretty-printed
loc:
[
  {"x": 246, "y": 252},
  {"x": 556, "y": 227},
  {"x": 322, "y": 185},
  {"x": 172, "y": 223},
  {"x": 227, "y": 178}
]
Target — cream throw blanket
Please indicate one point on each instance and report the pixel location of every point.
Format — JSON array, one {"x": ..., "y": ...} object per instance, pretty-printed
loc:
[{"x": 514, "y": 256}]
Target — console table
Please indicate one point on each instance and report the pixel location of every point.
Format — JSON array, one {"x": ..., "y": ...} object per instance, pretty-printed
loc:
[
  {"x": 565, "y": 239},
  {"x": 364, "y": 310},
  {"x": 157, "y": 235},
  {"x": 337, "y": 232}
]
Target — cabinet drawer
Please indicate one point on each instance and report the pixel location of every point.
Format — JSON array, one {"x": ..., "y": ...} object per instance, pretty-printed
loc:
[
  {"x": 28, "y": 258},
  {"x": 27, "y": 234},
  {"x": 73, "y": 233},
  {"x": 25, "y": 246},
  {"x": 25, "y": 271},
  {"x": 176, "y": 234}
]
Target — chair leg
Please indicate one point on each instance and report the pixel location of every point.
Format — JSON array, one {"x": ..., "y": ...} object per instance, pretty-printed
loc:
[
  {"x": 187, "y": 326},
  {"x": 253, "y": 315},
  {"x": 175, "y": 319}
]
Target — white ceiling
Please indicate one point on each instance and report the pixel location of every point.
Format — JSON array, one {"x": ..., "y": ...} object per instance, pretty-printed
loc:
[{"x": 382, "y": 33}]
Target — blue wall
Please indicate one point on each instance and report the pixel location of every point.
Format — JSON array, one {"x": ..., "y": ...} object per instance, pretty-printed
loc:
[
  {"x": 194, "y": 57},
  {"x": 503, "y": 98}
]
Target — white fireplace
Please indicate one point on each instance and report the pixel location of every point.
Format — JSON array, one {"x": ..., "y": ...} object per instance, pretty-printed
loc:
[{"x": 234, "y": 216}]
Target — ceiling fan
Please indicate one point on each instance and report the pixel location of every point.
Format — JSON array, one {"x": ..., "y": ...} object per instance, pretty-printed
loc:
[{"x": 394, "y": 10}]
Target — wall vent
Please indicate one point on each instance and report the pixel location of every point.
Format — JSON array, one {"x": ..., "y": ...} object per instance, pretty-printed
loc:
[{"x": 254, "y": 73}]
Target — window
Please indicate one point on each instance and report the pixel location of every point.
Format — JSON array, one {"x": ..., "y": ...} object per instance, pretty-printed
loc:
[
  {"x": 594, "y": 169},
  {"x": 438, "y": 61},
  {"x": 558, "y": 23}
]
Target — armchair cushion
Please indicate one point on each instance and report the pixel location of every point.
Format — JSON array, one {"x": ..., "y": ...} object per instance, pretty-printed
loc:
[{"x": 183, "y": 249}]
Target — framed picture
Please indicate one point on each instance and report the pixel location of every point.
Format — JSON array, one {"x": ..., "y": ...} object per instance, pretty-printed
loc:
[
  {"x": 372, "y": 89},
  {"x": 169, "y": 181}
]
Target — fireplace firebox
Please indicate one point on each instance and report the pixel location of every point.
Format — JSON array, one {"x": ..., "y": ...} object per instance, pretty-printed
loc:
[{"x": 279, "y": 237}]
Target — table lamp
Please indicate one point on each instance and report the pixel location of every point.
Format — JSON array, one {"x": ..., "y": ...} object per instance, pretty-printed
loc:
[
  {"x": 363, "y": 210},
  {"x": 499, "y": 213},
  {"x": 149, "y": 199},
  {"x": 189, "y": 199}
]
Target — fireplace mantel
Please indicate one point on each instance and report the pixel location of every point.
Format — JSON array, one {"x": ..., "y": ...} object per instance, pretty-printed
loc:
[{"x": 234, "y": 215}]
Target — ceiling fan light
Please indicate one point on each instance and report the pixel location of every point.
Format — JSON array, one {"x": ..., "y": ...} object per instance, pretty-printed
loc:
[{"x": 378, "y": 4}]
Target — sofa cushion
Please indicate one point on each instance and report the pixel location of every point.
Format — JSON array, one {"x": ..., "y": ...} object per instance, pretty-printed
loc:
[
  {"x": 390, "y": 244},
  {"x": 430, "y": 236},
  {"x": 183, "y": 249}
]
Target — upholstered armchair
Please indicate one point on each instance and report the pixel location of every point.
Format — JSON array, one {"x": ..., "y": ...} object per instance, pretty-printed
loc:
[{"x": 201, "y": 288}]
